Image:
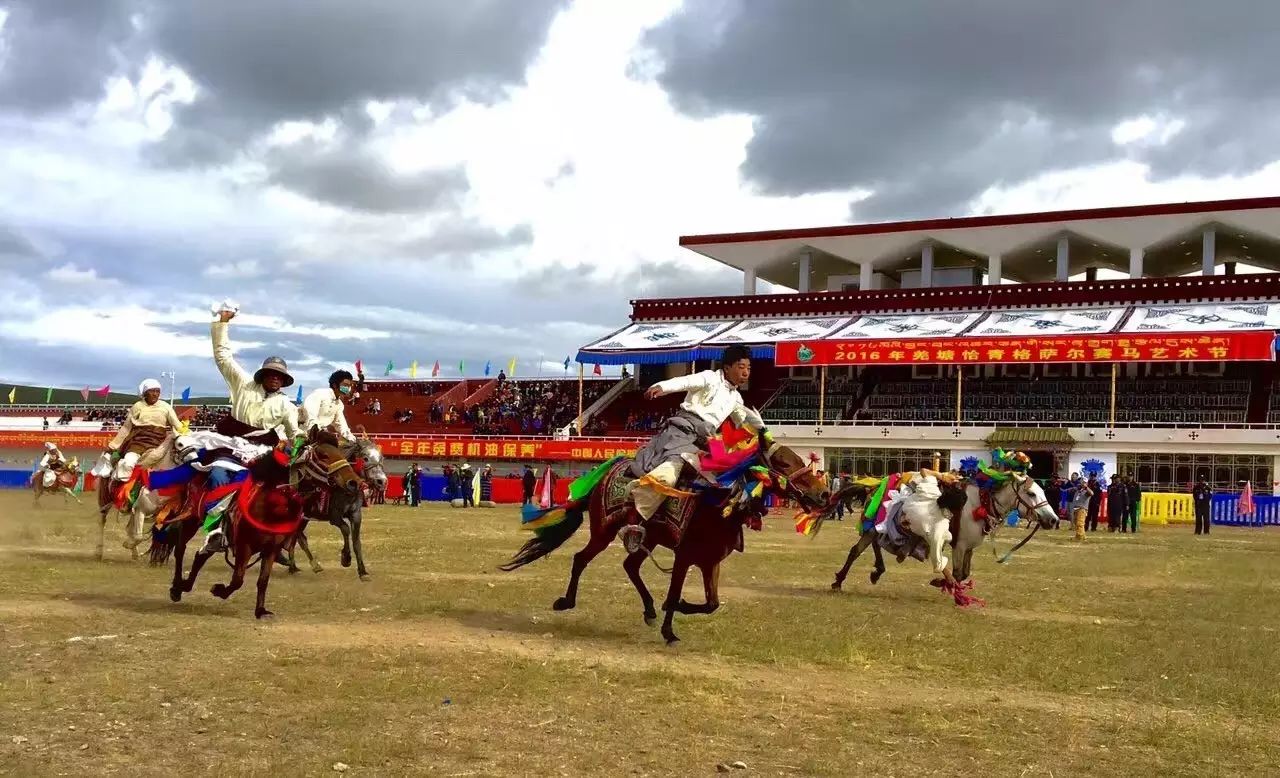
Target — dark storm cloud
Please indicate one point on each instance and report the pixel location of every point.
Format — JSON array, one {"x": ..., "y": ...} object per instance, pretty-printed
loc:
[
  {"x": 929, "y": 103},
  {"x": 358, "y": 180},
  {"x": 261, "y": 63},
  {"x": 56, "y": 52}
]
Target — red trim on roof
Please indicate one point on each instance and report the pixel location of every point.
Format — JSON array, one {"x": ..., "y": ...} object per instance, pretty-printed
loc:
[
  {"x": 1001, "y": 220},
  {"x": 1242, "y": 288}
]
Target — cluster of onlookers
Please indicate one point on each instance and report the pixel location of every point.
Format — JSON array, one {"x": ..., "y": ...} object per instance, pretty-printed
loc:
[{"x": 643, "y": 422}]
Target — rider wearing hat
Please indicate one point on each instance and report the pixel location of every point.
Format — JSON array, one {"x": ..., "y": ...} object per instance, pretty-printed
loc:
[
  {"x": 258, "y": 406},
  {"x": 144, "y": 439}
]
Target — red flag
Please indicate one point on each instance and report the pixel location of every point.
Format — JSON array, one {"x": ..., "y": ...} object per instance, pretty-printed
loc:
[
  {"x": 596, "y": 370},
  {"x": 359, "y": 368},
  {"x": 104, "y": 391},
  {"x": 85, "y": 393},
  {"x": 435, "y": 371}
]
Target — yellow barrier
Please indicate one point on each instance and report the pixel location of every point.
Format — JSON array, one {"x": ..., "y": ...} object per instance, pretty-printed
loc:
[{"x": 1159, "y": 508}]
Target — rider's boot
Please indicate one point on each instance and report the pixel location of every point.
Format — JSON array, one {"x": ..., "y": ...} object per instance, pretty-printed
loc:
[
  {"x": 216, "y": 540},
  {"x": 632, "y": 533}
]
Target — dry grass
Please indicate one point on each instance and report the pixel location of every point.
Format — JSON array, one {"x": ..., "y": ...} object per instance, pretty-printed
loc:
[{"x": 1154, "y": 653}]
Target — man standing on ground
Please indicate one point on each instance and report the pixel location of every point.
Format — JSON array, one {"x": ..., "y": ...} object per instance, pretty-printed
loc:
[
  {"x": 1095, "y": 505},
  {"x": 1117, "y": 503},
  {"x": 1134, "y": 503},
  {"x": 466, "y": 484},
  {"x": 528, "y": 482},
  {"x": 1081, "y": 497},
  {"x": 411, "y": 485},
  {"x": 1202, "y": 496}
]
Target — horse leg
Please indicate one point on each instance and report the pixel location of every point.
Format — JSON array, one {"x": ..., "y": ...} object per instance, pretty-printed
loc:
[
  {"x": 345, "y": 527},
  {"x": 711, "y": 586},
  {"x": 679, "y": 569},
  {"x": 632, "y": 565},
  {"x": 264, "y": 577},
  {"x": 867, "y": 538},
  {"x": 306, "y": 549},
  {"x": 879, "y": 571},
  {"x": 242, "y": 554},
  {"x": 597, "y": 543},
  {"x": 102, "y": 531},
  {"x": 356, "y": 521}
]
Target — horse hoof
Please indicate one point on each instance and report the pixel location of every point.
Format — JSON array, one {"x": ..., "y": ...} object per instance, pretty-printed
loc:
[
  {"x": 175, "y": 594},
  {"x": 837, "y": 585},
  {"x": 671, "y": 638},
  {"x": 262, "y": 613},
  {"x": 294, "y": 570},
  {"x": 346, "y": 559},
  {"x": 365, "y": 577},
  {"x": 220, "y": 590},
  {"x": 650, "y": 619},
  {"x": 317, "y": 569},
  {"x": 563, "y": 604},
  {"x": 875, "y": 576}
]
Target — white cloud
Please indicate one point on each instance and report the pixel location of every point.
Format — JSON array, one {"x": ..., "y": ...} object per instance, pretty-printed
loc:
[
  {"x": 70, "y": 274},
  {"x": 130, "y": 328},
  {"x": 1153, "y": 130},
  {"x": 245, "y": 268}
]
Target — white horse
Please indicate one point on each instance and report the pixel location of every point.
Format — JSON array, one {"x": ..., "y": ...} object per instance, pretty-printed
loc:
[
  {"x": 375, "y": 471},
  {"x": 925, "y": 519},
  {"x": 145, "y": 508}
]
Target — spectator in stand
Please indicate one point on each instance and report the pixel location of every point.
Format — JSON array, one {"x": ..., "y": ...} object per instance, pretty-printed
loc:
[
  {"x": 1202, "y": 497},
  {"x": 1133, "y": 505},
  {"x": 1117, "y": 499},
  {"x": 528, "y": 481},
  {"x": 44, "y": 422}
]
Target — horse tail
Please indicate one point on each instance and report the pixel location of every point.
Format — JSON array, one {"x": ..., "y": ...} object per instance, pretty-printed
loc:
[
  {"x": 550, "y": 536},
  {"x": 163, "y": 541}
]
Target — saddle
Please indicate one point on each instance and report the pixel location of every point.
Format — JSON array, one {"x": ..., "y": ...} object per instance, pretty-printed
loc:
[{"x": 674, "y": 513}]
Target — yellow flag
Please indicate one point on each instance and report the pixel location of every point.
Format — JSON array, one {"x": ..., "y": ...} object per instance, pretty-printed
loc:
[
  {"x": 413, "y": 369},
  {"x": 185, "y": 427},
  {"x": 12, "y": 394},
  {"x": 511, "y": 367}
]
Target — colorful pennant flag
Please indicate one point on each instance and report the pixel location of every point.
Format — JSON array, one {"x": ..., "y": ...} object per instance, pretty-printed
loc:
[
  {"x": 462, "y": 368},
  {"x": 186, "y": 395},
  {"x": 84, "y": 394},
  {"x": 299, "y": 400},
  {"x": 597, "y": 371},
  {"x": 104, "y": 391},
  {"x": 413, "y": 369},
  {"x": 12, "y": 394},
  {"x": 390, "y": 367},
  {"x": 48, "y": 395},
  {"x": 435, "y": 370},
  {"x": 511, "y": 368},
  {"x": 566, "y": 364},
  {"x": 359, "y": 367},
  {"x": 486, "y": 369}
]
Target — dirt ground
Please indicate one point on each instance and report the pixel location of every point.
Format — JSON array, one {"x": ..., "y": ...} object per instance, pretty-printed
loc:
[{"x": 1150, "y": 654}]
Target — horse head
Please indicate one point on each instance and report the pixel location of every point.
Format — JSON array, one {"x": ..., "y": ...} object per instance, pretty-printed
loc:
[
  {"x": 1022, "y": 493},
  {"x": 324, "y": 465},
  {"x": 798, "y": 480}
]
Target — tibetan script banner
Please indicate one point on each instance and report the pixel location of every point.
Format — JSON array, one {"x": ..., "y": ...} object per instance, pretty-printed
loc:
[
  {"x": 1199, "y": 347},
  {"x": 541, "y": 450},
  {"x": 62, "y": 438}
]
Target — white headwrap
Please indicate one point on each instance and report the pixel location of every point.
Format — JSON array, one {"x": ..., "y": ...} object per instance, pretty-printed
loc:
[
  {"x": 148, "y": 385},
  {"x": 49, "y": 446}
]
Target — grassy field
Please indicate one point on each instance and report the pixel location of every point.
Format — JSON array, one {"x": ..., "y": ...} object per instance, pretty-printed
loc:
[{"x": 1155, "y": 655}]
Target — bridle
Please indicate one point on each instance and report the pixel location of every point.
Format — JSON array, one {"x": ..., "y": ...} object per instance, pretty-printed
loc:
[
  {"x": 779, "y": 477},
  {"x": 1019, "y": 502}
]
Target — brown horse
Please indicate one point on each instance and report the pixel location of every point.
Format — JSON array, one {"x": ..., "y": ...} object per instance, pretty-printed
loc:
[
  {"x": 710, "y": 539},
  {"x": 64, "y": 481},
  {"x": 266, "y": 518}
]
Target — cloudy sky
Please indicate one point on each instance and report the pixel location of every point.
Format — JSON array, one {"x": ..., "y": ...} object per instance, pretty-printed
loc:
[{"x": 412, "y": 179}]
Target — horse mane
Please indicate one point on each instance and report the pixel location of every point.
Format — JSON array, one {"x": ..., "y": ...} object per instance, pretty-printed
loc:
[{"x": 269, "y": 469}]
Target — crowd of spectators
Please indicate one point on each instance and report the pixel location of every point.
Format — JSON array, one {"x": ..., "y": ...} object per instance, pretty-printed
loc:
[{"x": 643, "y": 422}]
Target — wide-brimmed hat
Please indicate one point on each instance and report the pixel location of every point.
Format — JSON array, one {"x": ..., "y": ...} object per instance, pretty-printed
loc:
[{"x": 274, "y": 365}]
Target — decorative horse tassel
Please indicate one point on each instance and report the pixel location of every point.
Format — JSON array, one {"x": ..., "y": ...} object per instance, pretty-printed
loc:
[{"x": 959, "y": 591}]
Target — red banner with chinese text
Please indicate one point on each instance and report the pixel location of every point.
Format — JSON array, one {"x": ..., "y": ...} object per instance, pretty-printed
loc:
[
  {"x": 1122, "y": 347},
  {"x": 541, "y": 450}
]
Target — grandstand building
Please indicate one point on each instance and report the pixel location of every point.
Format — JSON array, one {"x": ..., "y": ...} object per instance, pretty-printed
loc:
[{"x": 954, "y": 336}]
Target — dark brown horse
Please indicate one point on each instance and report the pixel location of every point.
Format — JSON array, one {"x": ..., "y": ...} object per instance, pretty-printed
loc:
[
  {"x": 710, "y": 537},
  {"x": 266, "y": 518}
]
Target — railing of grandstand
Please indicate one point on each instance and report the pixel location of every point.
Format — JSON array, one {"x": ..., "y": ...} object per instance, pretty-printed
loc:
[{"x": 813, "y": 422}]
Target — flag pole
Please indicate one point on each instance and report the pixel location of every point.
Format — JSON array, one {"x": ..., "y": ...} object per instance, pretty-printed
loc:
[
  {"x": 1114, "y": 367},
  {"x": 822, "y": 396},
  {"x": 581, "y": 369},
  {"x": 959, "y": 391}
]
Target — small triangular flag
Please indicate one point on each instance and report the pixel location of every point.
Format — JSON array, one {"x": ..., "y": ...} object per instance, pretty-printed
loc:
[
  {"x": 390, "y": 367},
  {"x": 12, "y": 394},
  {"x": 84, "y": 394},
  {"x": 186, "y": 395},
  {"x": 566, "y": 364},
  {"x": 596, "y": 370},
  {"x": 435, "y": 369},
  {"x": 511, "y": 368},
  {"x": 462, "y": 368},
  {"x": 48, "y": 395},
  {"x": 299, "y": 400},
  {"x": 486, "y": 369}
]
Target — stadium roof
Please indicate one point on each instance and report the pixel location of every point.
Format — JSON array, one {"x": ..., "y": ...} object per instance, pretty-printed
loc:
[{"x": 1247, "y": 231}]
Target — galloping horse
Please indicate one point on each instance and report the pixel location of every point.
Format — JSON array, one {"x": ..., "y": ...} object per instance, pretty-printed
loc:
[
  {"x": 266, "y": 518},
  {"x": 64, "y": 481},
  {"x": 964, "y": 533},
  {"x": 349, "y": 523},
  {"x": 710, "y": 539},
  {"x": 146, "y": 506}
]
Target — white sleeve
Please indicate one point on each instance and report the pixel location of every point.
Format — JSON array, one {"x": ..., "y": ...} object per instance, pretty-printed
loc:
[
  {"x": 340, "y": 421},
  {"x": 683, "y": 383},
  {"x": 235, "y": 375},
  {"x": 311, "y": 408}
]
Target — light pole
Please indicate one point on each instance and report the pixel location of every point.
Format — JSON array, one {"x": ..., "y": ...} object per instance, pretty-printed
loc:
[{"x": 173, "y": 377}]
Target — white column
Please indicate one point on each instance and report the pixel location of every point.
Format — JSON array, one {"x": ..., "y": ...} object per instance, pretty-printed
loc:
[
  {"x": 806, "y": 265},
  {"x": 1135, "y": 263},
  {"x": 1208, "y": 252},
  {"x": 926, "y": 266},
  {"x": 994, "y": 270},
  {"x": 1064, "y": 259},
  {"x": 748, "y": 282},
  {"x": 864, "y": 276}
]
